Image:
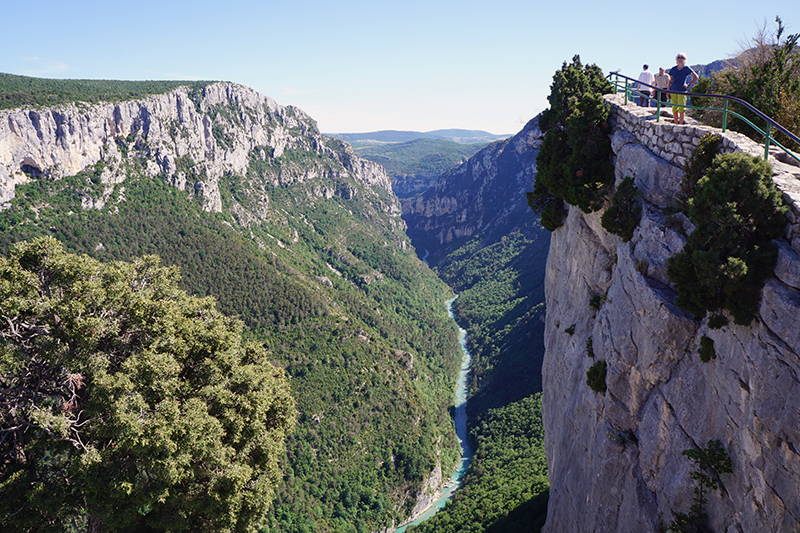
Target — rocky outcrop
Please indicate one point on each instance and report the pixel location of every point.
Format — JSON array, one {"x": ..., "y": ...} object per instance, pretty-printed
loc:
[
  {"x": 192, "y": 138},
  {"x": 615, "y": 459},
  {"x": 484, "y": 192}
]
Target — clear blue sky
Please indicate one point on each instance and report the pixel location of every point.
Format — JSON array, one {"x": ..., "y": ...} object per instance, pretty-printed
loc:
[{"x": 358, "y": 66}]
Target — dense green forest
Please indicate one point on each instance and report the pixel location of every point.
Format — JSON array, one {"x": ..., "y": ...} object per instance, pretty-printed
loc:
[
  {"x": 506, "y": 487},
  {"x": 328, "y": 285},
  {"x": 19, "y": 91}
]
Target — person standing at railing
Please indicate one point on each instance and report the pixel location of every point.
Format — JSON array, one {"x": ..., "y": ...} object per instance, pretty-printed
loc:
[
  {"x": 662, "y": 83},
  {"x": 645, "y": 92},
  {"x": 678, "y": 83}
]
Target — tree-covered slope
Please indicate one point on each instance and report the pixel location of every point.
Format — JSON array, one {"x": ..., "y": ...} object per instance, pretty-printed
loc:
[
  {"x": 505, "y": 489},
  {"x": 305, "y": 245}
]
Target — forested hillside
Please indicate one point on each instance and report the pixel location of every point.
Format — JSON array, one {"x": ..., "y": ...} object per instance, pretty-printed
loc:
[
  {"x": 414, "y": 165},
  {"x": 306, "y": 246}
]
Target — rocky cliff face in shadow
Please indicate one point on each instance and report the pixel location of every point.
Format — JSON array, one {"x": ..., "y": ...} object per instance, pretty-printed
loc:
[
  {"x": 484, "y": 195},
  {"x": 616, "y": 461}
]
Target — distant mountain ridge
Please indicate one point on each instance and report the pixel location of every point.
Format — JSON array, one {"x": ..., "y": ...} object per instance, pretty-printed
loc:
[
  {"x": 414, "y": 165},
  {"x": 460, "y": 136}
]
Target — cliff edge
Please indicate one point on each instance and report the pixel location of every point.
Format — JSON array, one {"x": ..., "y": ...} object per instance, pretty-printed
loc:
[{"x": 616, "y": 459}]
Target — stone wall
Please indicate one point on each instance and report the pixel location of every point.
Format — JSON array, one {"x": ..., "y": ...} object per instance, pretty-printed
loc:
[
  {"x": 615, "y": 459},
  {"x": 674, "y": 144}
]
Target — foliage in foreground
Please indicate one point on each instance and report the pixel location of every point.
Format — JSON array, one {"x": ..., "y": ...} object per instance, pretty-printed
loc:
[
  {"x": 19, "y": 91},
  {"x": 506, "y": 487},
  {"x": 127, "y": 404},
  {"x": 737, "y": 209},
  {"x": 702, "y": 157},
  {"x": 574, "y": 164}
]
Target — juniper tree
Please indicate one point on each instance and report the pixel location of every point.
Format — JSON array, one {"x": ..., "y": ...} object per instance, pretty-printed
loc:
[{"x": 127, "y": 404}]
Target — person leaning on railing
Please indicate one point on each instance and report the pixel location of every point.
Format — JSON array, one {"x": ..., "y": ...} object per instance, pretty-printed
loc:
[
  {"x": 678, "y": 84},
  {"x": 662, "y": 80}
]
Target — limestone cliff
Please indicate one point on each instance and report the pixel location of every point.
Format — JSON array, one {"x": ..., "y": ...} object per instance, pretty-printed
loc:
[
  {"x": 486, "y": 192},
  {"x": 615, "y": 459},
  {"x": 190, "y": 137}
]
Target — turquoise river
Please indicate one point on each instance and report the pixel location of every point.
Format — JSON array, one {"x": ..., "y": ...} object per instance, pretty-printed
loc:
[{"x": 460, "y": 416}]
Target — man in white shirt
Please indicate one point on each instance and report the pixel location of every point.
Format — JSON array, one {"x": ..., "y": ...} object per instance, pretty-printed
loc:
[{"x": 645, "y": 77}]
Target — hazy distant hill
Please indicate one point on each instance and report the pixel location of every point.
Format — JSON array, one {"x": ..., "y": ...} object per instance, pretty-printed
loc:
[
  {"x": 398, "y": 136},
  {"x": 714, "y": 66},
  {"x": 414, "y": 165}
]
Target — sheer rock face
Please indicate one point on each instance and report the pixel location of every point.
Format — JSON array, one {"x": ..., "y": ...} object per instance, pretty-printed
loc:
[
  {"x": 485, "y": 191},
  {"x": 615, "y": 459},
  {"x": 190, "y": 138}
]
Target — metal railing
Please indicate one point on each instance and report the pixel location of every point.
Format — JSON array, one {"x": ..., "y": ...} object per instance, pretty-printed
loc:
[{"x": 629, "y": 86}]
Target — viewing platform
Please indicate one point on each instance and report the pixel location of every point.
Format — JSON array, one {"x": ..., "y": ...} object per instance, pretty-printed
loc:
[{"x": 675, "y": 143}]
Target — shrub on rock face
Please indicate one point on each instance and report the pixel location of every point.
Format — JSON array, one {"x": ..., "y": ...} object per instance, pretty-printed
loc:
[
  {"x": 737, "y": 210},
  {"x": 707, "y": 351},
  {"x": 622, "y": 217},
  {"x": 552, "y": 211},
  {"x": 709, "y": 147},
  {"x": 596, "y": 376},
  {"x": 574, "y": 164},
  {"x": 128, "y": 405}
]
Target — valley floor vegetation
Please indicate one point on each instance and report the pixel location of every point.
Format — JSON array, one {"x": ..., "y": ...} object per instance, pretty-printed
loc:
[{"x": 325, "y": 284}]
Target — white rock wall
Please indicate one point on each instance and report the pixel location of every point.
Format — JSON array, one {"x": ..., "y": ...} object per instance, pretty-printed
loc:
[{"x": 160, "y": 129}]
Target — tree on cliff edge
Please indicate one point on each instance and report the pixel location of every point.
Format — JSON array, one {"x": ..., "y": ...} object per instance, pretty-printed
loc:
[
  {"x": 128, "y": 405},
  {"x": 573, "y": 164}
]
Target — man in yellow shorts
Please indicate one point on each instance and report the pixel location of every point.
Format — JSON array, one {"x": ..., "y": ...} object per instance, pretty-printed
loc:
[{"x": 678, "y": 83}]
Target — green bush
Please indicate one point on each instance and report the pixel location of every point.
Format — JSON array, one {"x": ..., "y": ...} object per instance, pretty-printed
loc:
[
  {"x": 737, "y": 210},
  {"x": 622, "y": 217},
  {"x": 707, "y": 351},
  {"x": 573, "y": 164},
  {"x": 596, "y": 376},
  {"x": 552, "y": 211},
  {"x": 717, "y": 321},
  {"x": 129, "y": 405},
  {"x": 711, "y": 462},
  {"x": 590, "y": 348},
  {"x": 709, "y": 147},
  {"x": 597, "y": 301}
]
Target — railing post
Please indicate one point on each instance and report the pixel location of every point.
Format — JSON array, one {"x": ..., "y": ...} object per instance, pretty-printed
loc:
[
  {"x": 626, "y": 92},
  {"x": 725, "y": 117},
  {"x": 658, "y": 105},
  {"x": 766, "y": 140}
]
